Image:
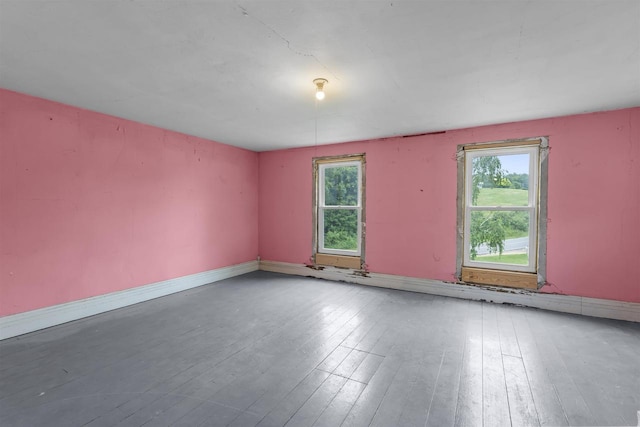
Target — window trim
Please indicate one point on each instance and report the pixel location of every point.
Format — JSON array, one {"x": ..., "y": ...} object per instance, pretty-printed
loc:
[
  {"x": 322, "y": 207},
  {"x": 531, "y": 208},
  {"x": 502, "y": 277},
  {"x": 338, "y": 257}
]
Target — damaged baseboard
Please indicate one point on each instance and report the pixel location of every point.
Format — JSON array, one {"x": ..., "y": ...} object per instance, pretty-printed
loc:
[
  {"x": 595, "y": 307},
  {"x": 34, "y": 320}
]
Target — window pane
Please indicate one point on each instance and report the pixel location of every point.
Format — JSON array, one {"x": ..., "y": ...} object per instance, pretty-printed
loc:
[
  {"x": 341, "y": 186},
  {"x": 500, "y": 237},
  {"x": 500, "y": 180},
  {"x": 341, "y": 229}
]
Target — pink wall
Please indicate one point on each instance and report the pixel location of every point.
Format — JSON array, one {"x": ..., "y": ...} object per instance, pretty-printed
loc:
[
  {"x": 91, "y": 204},
  {"x": 594, "y": 202}
]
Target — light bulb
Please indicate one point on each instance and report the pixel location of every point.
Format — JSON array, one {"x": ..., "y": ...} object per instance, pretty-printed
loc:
[{"x": 320, "y": 88}]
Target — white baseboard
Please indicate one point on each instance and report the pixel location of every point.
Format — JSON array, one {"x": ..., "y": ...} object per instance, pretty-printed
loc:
[
  {"x": 22, "y": 323},
  {"x": 595, "y": 307}
]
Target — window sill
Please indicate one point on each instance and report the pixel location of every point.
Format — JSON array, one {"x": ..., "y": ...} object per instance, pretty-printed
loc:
[
  {"x": 510, "y": 279},
  {"x": 340, "y": 261}
]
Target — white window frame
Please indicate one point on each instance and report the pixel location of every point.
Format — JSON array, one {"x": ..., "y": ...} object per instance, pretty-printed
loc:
[
  {"x": 322, "y": 208},
  {"x": 532, "y": 207}
]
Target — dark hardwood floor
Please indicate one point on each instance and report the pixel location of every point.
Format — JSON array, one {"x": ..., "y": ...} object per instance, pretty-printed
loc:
[{"x": 272, "y": 350}]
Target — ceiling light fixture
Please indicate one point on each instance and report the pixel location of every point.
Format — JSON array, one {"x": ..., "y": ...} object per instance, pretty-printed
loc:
[{"x": 320, "y": 88}]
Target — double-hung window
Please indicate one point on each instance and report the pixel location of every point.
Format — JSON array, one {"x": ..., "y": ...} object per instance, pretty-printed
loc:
[
  {"x": 503, "y": 213},
  {"x": 338, "y": 230}
]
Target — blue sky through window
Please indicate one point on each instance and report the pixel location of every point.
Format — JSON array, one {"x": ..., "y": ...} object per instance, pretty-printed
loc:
[{"x": 515, "y": 163}]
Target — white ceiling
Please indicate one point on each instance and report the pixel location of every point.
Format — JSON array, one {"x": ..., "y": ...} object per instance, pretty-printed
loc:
[{"x": 240, "y": 72}]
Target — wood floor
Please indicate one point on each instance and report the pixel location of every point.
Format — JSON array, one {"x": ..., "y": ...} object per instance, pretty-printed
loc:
[{"x": 271, "y": 350}]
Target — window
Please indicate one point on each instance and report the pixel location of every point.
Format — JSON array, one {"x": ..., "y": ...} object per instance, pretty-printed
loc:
[
  {"x": 339, "y": 212},
  {"x": 503, "y": 222}
]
